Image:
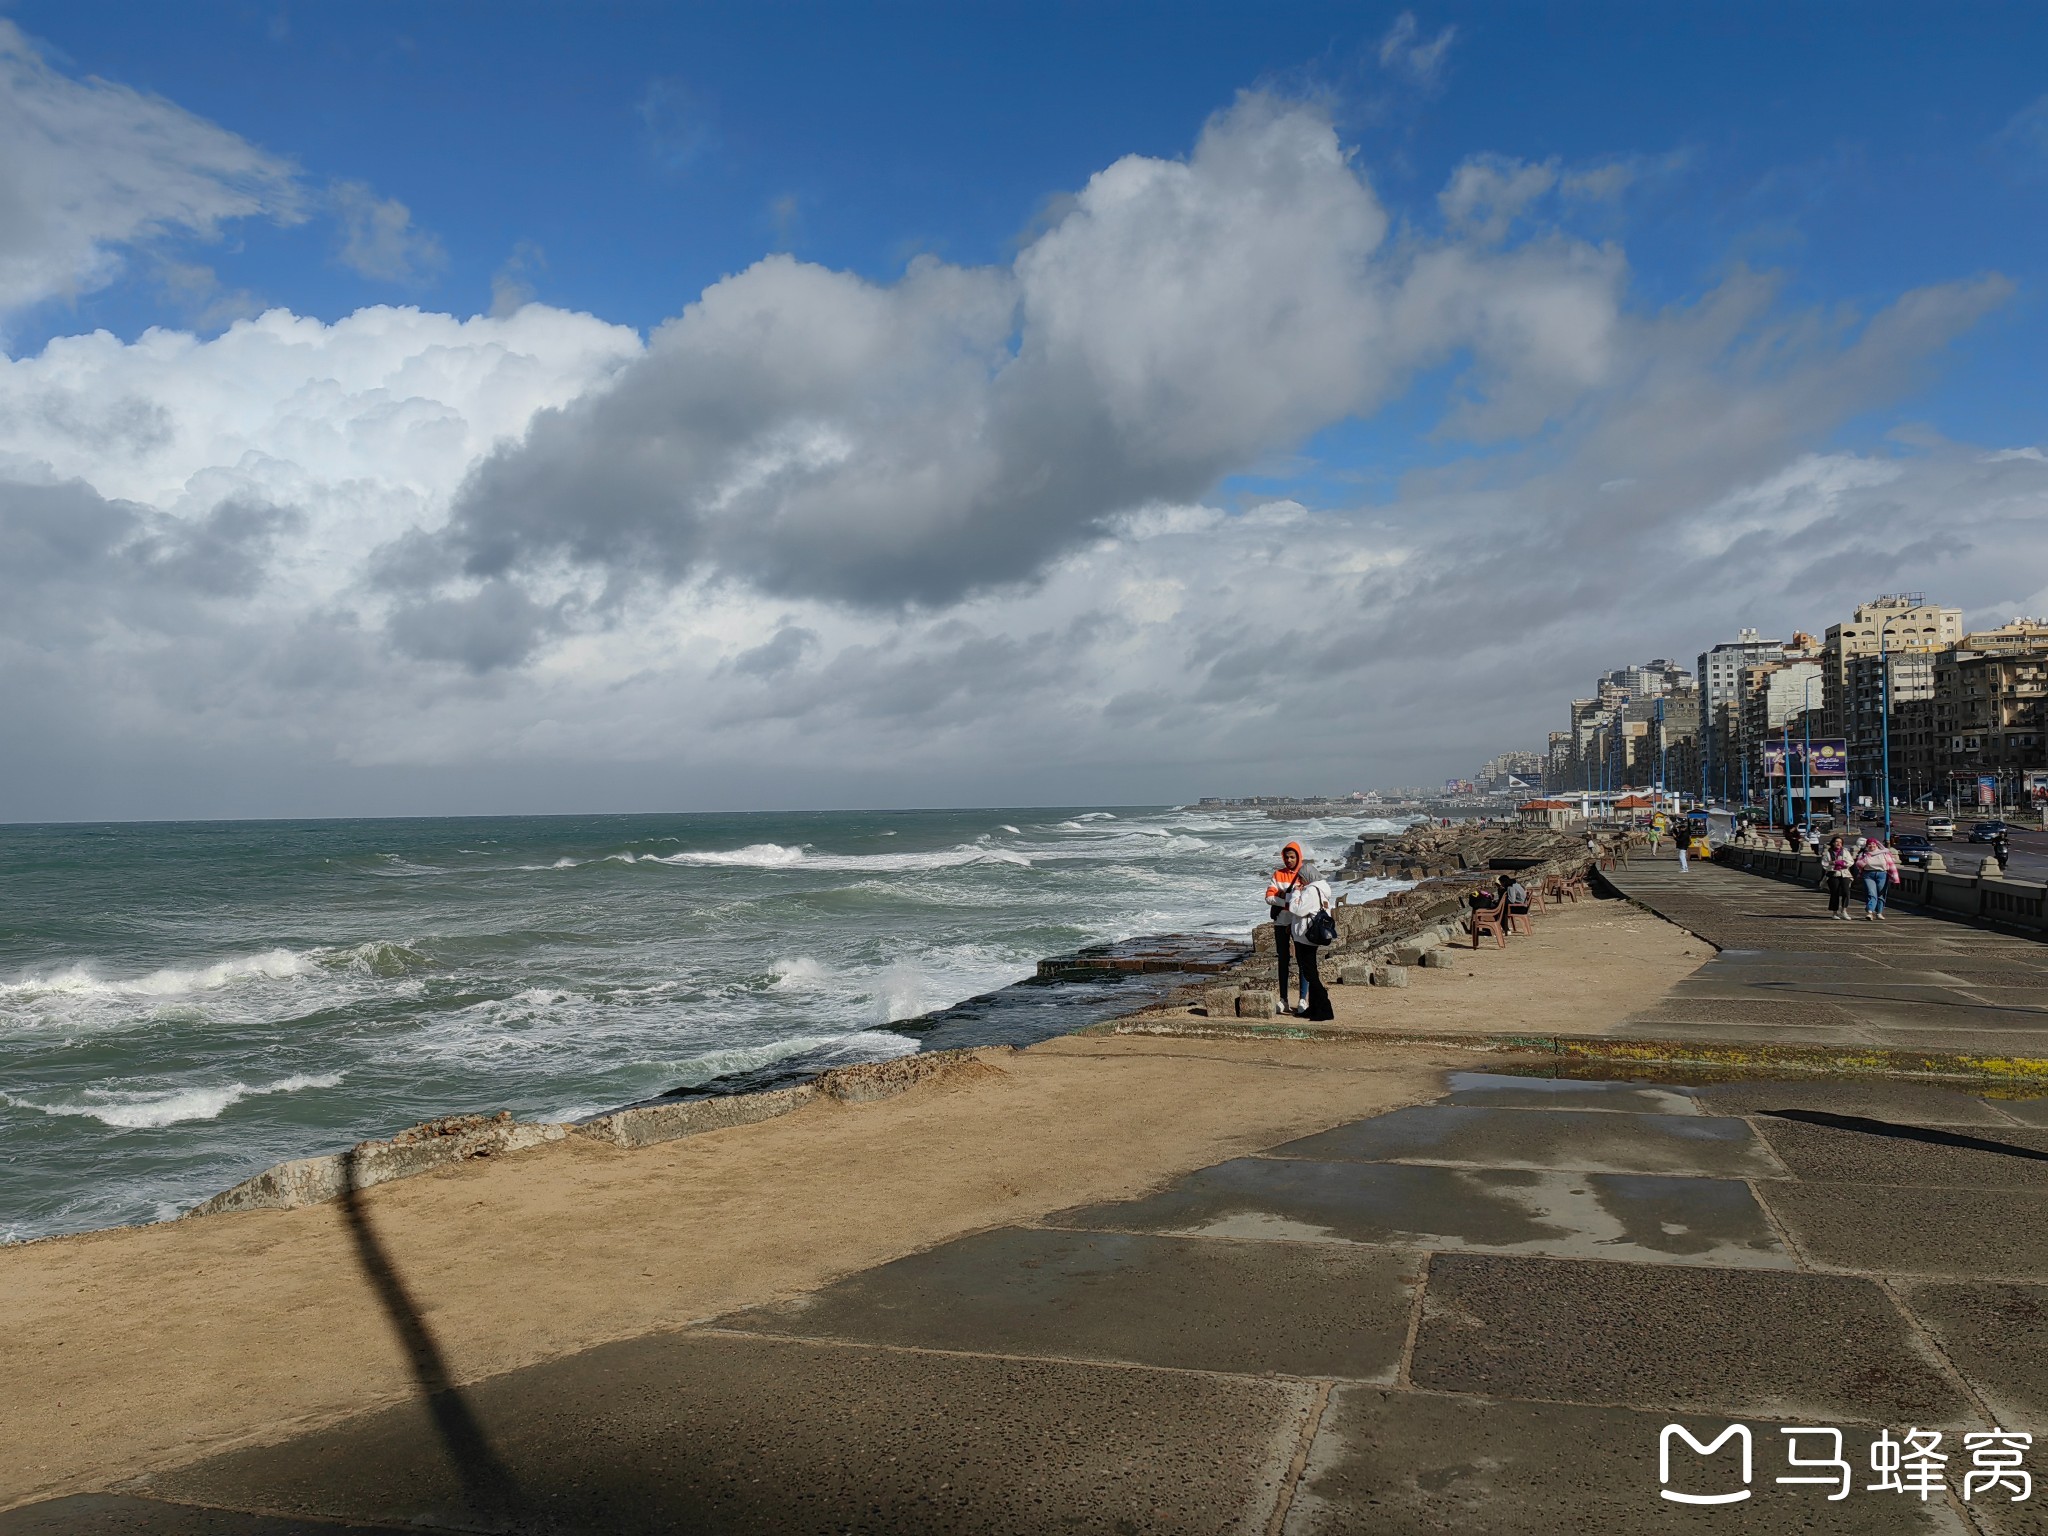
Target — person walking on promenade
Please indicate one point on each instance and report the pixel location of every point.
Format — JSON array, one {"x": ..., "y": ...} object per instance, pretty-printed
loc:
[
  {"x": 1308, "y": 899},
  {"x": 1681, "y": 837},
  {"x": 1293, "y": 870},
  {"x": 1879, "y": 867},
  {"x": 1836, "y": 866}
]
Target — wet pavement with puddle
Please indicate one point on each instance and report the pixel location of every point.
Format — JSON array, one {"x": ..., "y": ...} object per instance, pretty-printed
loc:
[{"x": 1474, "y": 1314}]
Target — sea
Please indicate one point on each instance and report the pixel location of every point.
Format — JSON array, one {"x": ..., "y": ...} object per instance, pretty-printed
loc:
[{"x": 184, "y": 1004}]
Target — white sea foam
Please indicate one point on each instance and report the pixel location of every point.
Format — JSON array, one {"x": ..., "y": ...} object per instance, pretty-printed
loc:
[
  {"x": 776, "y": 856},
  {"x": 801, "y": 972},
  {"x": 1006, "y": 827},
  {"x": 173, "y": 981},
  {"x": 753, "y": 856},
  {"x": 862, "y": 1045},
  {"x": 131, "y": 1110}
]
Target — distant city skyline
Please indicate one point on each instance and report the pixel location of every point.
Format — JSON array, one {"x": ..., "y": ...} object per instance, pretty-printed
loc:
[{"x": 419, "y": 410}]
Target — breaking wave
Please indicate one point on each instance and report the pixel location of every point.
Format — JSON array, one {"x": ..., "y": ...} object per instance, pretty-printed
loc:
[
  {"x": 130, "y": 1110},
  {"x": 80, "y": 981}
]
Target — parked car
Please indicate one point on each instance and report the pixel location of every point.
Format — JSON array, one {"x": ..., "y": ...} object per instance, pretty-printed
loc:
[
  {"x": 1868, "y": 813},
  {"x": 1988, "y": 831},
  {"x": 1941, "y": 826},
  {"x": 1912, "y": 848}
]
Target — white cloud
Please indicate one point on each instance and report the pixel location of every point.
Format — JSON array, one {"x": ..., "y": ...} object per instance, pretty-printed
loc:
[
  {"x": 564, "y": 568},
  {"x": 1487, "y": 193},
  {"x": 365, "y": 426},
  {"x": 378, "y": 239},
  {"x": 818, "y": 435},
  {"x": 90, "y": 167},
  {"x": 1403, "y": 49}
]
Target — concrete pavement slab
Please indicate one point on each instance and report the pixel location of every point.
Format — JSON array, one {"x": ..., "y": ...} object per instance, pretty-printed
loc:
[
  {"x": 1482, "y": 1136},
  {"x": 1874, "y": 1229},
  {"x": 1877, "y": 1098},
  {"x": 722, "y": 1433},
  {"x": 109, "y": 1514},
  {"x": 1819, "y": 1145},
  {"x": 1407, "y": 1463},
  {"x": 1744, "y": 1008},
  {"x": 1997, "y": 1335},
  {"x": 1652, "y": 1218},
  {"x": 1822, "y": 1348},
  {"x": 1304, "y": 1309},
  {"x": 1501, "y": 1091},
  {"x": 2028, "y": 1111},
  {"x": 2031, "y": 996}
]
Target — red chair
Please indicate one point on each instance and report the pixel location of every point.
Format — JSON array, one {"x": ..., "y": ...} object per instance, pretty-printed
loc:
[{"x": 1491, "y": 920}]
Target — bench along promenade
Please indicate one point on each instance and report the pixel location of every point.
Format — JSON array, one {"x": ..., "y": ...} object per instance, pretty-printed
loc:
[{"x": 1727, "y": 1164}]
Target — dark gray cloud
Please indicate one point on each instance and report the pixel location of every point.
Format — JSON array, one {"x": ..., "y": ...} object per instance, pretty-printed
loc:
[
  {"x": 72, "y": 558},
  {"x": 498, "y": 625},
  {"x": 815, "y": 435},
  {"x": 791, "y": 644}
]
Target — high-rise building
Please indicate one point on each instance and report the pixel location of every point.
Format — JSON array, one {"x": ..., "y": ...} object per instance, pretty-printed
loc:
[
  {"x": 1774, "y": 693},
  {"x": 1900, "y": 681},
  {"x": 1903, "y": 621},
  {"x": 2008, "y": 639},
  {"x": 1993, "y": 710},
  {"x": 1720, "y": 684}
]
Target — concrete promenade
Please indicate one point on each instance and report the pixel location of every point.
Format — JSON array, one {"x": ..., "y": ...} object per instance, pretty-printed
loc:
[
  {"x": 1476, "y": 1313},
  {"x": 1788, "y": 976}
]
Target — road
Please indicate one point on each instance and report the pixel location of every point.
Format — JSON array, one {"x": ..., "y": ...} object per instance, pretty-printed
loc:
[
  {"x": 2029, "y": 844},
  {"x": 2029, "y": 847}
]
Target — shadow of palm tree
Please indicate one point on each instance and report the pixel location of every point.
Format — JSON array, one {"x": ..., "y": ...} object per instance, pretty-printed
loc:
[{"x": 488, "y": 1486}]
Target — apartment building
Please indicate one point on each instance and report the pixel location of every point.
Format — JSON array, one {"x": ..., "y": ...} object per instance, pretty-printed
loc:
[
  {"x": 1902, "y": 621},
  {"x": 1992, "y": 710},
  {"x": 1720, "y": 706}
]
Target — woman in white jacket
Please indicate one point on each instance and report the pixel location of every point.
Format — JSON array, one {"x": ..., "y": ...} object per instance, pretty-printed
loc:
[{"x": 1304, "y": 901}]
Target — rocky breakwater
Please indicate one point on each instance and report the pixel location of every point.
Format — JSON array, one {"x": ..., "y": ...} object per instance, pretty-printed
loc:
[
  {"x": 1379, "y": 941},
  {"x": 1427, "y": 851}
]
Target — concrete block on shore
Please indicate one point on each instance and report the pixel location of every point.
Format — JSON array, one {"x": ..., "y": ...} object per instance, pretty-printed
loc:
[
  {"x": 648, "y": 1124},
  {"x": 1355, "y": 973},
  {"x": 871, "y": 1080},
  {"x": 1256, "y": 1004},
  {"x": 1390, "y": 976},
  {"x": 1220, "y": 1002},
  {"x": 1410, "y": 954},
  {"x": 1439, "y": 959},
  {"x": 422, "y": 1149}
]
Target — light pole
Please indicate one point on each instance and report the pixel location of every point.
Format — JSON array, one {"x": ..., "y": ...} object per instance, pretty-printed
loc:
[
  {"x": 1785, "y": 765},
  {"x": 1806, "y": 761},
  {"x": 1663, "y": 752},
  {"x": 1884, "y": 718}
]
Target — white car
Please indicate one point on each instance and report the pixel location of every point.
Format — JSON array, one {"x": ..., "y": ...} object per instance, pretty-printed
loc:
[{"x": 1942, "y": 826}]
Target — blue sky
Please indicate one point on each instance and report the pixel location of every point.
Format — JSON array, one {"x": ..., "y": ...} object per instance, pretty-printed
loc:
[
  {"x": 1140, "y": 380},
  {"x": 646, "y": 150}
]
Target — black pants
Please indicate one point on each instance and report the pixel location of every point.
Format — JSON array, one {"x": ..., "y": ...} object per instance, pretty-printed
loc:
[
  {"x": 1282, "y": 940},
  {"x": 1318, "y": 999},
  {"x": 1838, "y": 892}
]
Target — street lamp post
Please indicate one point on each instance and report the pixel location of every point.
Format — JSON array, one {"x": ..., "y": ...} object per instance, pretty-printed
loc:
[
  {"x": 1663, "y": 754},
  {"x": 1884, "y": 718},
  {"x": 1785, "y": 765},
  {"x": 1806, "y": 761}
]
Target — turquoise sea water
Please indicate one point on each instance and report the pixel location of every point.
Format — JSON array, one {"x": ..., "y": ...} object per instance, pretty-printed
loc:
[{"x": 182, "y": 1005}]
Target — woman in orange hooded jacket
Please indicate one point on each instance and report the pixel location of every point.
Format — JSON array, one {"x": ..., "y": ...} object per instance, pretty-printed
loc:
[{"x": 1293, "y": 868}]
